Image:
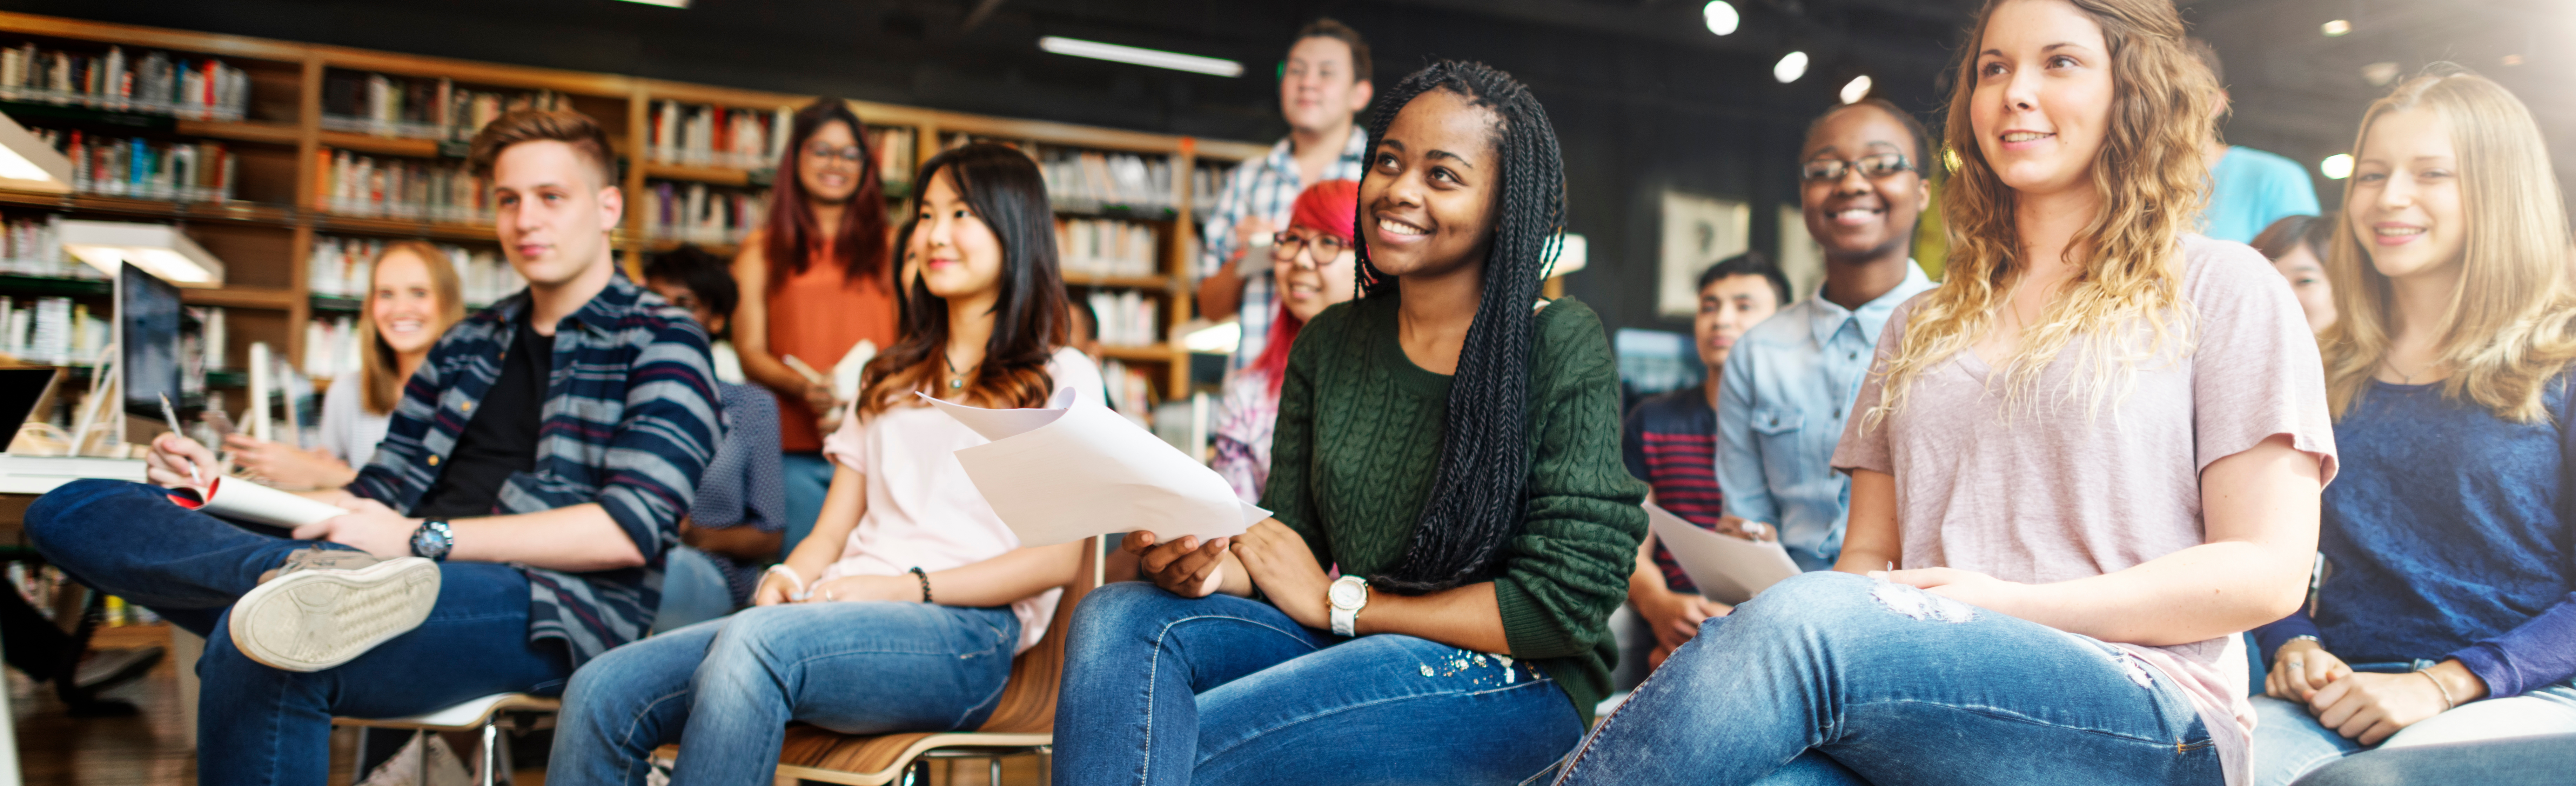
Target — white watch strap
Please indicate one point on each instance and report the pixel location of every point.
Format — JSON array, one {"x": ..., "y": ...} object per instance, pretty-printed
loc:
[{"x": 1345, "y": 620}]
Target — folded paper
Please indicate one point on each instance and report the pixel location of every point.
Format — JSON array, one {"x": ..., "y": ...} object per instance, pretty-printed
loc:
[{"x": 1727, "y": 569}]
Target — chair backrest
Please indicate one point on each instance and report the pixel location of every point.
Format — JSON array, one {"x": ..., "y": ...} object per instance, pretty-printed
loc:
[{"x": 1027, "y": 705}]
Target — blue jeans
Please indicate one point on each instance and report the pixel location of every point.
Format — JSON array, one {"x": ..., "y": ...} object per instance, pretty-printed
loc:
[
  {"x": 2288, "y": 741},
  {"x": 808, "y": 477},
  {"x": 1837, "y": 678},
  {"x": 725, "y": 689},
  {"x": 1161, "y": 689},
  {"x": 693, "y": 590},
  {"x": 2520, "y": 761},
  {"x": 256, "y": 724}
]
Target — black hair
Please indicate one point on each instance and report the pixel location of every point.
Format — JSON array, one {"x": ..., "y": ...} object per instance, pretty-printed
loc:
[
  {"x": 2291, "y": 232},
  {"x": 1750, "y": 263},
  {"x": 706, "y": 275},
  {"x": 1476, "y": 498},
  {"x": 1008, "y": 196},
  {"x": 1919, "y": 157}
]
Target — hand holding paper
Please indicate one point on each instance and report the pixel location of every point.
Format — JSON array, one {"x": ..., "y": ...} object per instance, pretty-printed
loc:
[
  {"x": 1729, "y": 570},
  {"x": 1072, "y": 471}
]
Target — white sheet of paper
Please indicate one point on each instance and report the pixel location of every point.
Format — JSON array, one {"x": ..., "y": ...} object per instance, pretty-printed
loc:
[
  {"x": 1727, "y": 569},
  {"x": 242, "y": 500},
  {"x": 1073, "y": 470},
  {"x": 845, "y": 374}
]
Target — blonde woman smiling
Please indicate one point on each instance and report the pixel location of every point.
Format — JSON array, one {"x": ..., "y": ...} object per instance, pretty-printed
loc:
[
  {"x": 412, "y": 297},
  {"x": 2093, "y": 452}
]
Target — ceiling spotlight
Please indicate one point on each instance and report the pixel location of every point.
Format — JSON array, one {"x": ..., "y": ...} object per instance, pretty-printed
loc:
[
  {"x": 2338, "y": 28},
  {"x": 2336, "y": 167},
  {"x": 1790, "y": 67},
  {"x": 1721, "y": 16},
  {"x": 1140, "y": 56},
  {"x": 1857, "y": 89}
]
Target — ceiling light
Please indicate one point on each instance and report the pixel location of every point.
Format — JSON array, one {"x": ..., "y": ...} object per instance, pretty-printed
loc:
[
  {"x": 663, "y": 3},
  {"x": 2336, "y": 167},
  {"x": 1138, "y": 55},
  {"x": 1855, "y": 90},
  {"x": 28, "y": 164},
  {"x": 2338, "y": 28},
  {"x": 1790, "y": 67},
  {"x": 159, "y": 249},
  {"x": 1721, "y": 16}
]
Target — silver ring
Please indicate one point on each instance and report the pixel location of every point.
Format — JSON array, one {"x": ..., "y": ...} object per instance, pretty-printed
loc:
[
  {"x": 2298, "y": 665},
  {"x": 827, "y": 596}
]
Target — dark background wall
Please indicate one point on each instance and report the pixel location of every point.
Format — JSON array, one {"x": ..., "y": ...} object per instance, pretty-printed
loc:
[{"x": 1642, "y": 95}]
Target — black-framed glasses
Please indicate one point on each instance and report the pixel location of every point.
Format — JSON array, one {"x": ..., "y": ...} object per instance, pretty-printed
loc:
[
  {"x": 1285, "y": 245},
  {"x": 851, "y": 153},
  {"x": 1873, "y": 166}
]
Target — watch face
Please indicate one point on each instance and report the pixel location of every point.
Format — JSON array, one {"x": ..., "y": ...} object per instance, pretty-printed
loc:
[{"x": 1346, "y": 594}]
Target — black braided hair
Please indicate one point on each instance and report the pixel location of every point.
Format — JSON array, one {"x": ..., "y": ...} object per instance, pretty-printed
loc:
[{"x": 1475, "y": 502}]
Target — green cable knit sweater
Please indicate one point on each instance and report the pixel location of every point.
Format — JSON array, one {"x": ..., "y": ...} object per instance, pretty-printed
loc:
[{"x": 1358, "y": 442}]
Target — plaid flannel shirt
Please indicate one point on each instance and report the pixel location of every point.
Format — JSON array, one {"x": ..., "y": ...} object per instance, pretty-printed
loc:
[
  {"x": 630, "y": 423},
  {"x": 1265, "y": 187}
]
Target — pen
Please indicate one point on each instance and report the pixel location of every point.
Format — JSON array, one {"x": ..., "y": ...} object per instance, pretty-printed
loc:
[{"x": 171, "y": 414}]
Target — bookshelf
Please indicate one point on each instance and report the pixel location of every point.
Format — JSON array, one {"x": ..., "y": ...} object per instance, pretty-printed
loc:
[{"x": 304, "y": 151}]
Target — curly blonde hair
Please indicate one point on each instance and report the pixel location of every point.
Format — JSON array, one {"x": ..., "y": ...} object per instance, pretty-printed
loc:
[
  {"x": 2151, "y": 174},
  {"x": 2511, "y": 324}
]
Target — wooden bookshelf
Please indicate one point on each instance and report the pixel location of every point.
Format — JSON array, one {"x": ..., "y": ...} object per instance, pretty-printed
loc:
[{"x": 266, "y": 233}]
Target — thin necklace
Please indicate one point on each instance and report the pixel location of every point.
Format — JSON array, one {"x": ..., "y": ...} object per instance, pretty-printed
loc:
[
  {"x": 2393, "y": 369},
  {"x": 956, "y": 378}
]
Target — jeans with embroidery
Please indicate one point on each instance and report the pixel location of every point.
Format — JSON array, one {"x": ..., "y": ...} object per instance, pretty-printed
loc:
[
  {"x": 1160, "y": 689},
  {"x": 725, "y": 689},
  {"x": 1833, "y": 678},
  {"x": 2289, "y": 743},
  {"x": 256, "y": 724}
]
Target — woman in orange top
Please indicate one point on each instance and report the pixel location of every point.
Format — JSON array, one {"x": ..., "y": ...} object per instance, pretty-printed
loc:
[{"x": 814, "y": 284}]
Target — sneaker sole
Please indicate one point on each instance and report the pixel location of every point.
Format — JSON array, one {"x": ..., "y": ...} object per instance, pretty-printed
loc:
[{"x": 316, "y": 619}]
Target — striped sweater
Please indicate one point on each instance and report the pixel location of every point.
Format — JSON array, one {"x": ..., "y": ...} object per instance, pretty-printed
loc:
[
  {"x": 1670, "y": 442},
  {"x": 630, "y": 423}
]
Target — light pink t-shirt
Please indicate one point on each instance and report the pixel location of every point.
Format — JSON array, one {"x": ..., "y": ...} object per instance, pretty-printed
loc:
[
  {"x": 2053, "y": 490},
  {"x": 922, "y": 509}
]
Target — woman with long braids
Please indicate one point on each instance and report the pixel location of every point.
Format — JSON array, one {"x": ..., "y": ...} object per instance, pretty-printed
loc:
[
  {"x": 1453, "y": 451},
  {"x": 2083, "y": 463},
  {"x": 815, "y": 281},
  {"x": 904, "y": 610}
]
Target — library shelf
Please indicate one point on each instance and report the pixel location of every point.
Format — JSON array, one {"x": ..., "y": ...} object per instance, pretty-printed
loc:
[
  {"x": 1158, "y": 353},
  {"x": 18, "y": 284},
  {"x": 371, "y": 144},
  {"x": 245, "y": 131},
  {"x": 338, "y": 305},
  {"x": 338, "y": 224}
]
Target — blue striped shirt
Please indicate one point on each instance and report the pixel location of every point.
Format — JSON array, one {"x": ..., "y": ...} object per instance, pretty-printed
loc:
[{"x": 630, "y": 423}]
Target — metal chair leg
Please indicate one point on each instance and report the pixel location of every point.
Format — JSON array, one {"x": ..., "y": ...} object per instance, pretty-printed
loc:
[
  {"x": 995, "y": 771},
  {"x": 491, "y": 746}
]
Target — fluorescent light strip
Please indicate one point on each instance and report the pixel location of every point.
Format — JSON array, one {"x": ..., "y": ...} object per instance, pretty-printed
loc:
[
  {"x": 664, "y": 3},
  {"x": 1140, "y": 56}
]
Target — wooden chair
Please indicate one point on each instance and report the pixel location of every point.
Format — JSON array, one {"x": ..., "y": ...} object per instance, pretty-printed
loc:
[
  {"x": 1023, "y": 720},
  {"x": 483, "y": 715}
]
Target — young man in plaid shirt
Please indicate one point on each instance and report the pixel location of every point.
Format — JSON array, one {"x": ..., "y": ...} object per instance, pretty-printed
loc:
[{"x": 510, "y": 527}]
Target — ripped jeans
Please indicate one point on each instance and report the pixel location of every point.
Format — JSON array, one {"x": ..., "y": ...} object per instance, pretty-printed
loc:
[
  {"x": 1833, "y": 678},
  {"x": 1161, "y": 689}
]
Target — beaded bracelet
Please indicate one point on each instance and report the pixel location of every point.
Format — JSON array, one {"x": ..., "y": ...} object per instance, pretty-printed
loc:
[
  {"x": 925, "y": 582},
  {"x": 2447, "y": 703}
]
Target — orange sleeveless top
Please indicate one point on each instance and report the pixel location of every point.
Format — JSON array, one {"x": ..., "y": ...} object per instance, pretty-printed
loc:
[{"x": 818, "y": 316}]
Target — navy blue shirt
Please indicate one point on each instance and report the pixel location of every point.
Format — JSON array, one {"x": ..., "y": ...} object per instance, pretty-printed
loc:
[
  {"x": 1670, "y": 442},
  {"x": 2448, "y": 532}
]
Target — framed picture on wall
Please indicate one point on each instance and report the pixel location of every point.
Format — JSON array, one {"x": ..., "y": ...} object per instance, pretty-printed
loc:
[{"x": 1699, "y": 230}]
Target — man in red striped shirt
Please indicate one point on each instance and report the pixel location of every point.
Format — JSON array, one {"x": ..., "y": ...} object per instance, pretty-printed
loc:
[{"x": 1670, "y": 440}]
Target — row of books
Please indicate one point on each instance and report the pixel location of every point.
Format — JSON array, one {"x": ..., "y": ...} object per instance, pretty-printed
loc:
[
  {"x": 51, "y": 330},
  {"x": 1126, "y": 318},
  {"x": 339, "y": 267},
  {"x": 1130, "y": 393},
  {"x": 896, "y": 151},
  {"x": 331, "y": 347},
  {"x": 362, "y": 185},
  {"x": 419, "y": 108},
  {"x": 33, "y": 246},
  {"x": 200, "y": 171},
  {"x": 1104, "y": 247},
  {"x": 1085, "y": 180},
  {"x": 706, "y": 135},
  {"x": 157, "y": 83},
  {"x": 694, "y": 213}
]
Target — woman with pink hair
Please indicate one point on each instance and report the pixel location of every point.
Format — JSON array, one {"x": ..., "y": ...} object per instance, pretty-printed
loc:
[{"x": 1311, "y": 262}]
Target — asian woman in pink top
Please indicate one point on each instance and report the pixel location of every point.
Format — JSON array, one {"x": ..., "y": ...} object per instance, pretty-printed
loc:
[
  {"x": 903, "y": 610},
  {"x": 2085, "y": 461}
]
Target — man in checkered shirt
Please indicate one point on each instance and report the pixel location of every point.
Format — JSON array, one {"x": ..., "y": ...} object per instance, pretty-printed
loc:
[{"x": 1322, "y": 87}]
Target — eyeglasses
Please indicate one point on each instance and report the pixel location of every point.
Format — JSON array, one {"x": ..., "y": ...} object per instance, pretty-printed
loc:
[
  {"x": 851, "y": 153},
  {"x": 1285, "y": 245},
  {"x": 1873, "y": 166}
]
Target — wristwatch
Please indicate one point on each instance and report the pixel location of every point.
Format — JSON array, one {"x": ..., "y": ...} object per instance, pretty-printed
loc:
[
  {"x": 432, "y": 540},
  {"x": 1348, "y": 595}
]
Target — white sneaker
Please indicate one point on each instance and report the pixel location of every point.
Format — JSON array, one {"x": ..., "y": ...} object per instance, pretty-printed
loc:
[{"x": 326, "y": 607}]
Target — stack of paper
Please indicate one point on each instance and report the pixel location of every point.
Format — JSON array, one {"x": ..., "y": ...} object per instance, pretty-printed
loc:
[{"x": 1727, "y": 569}]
